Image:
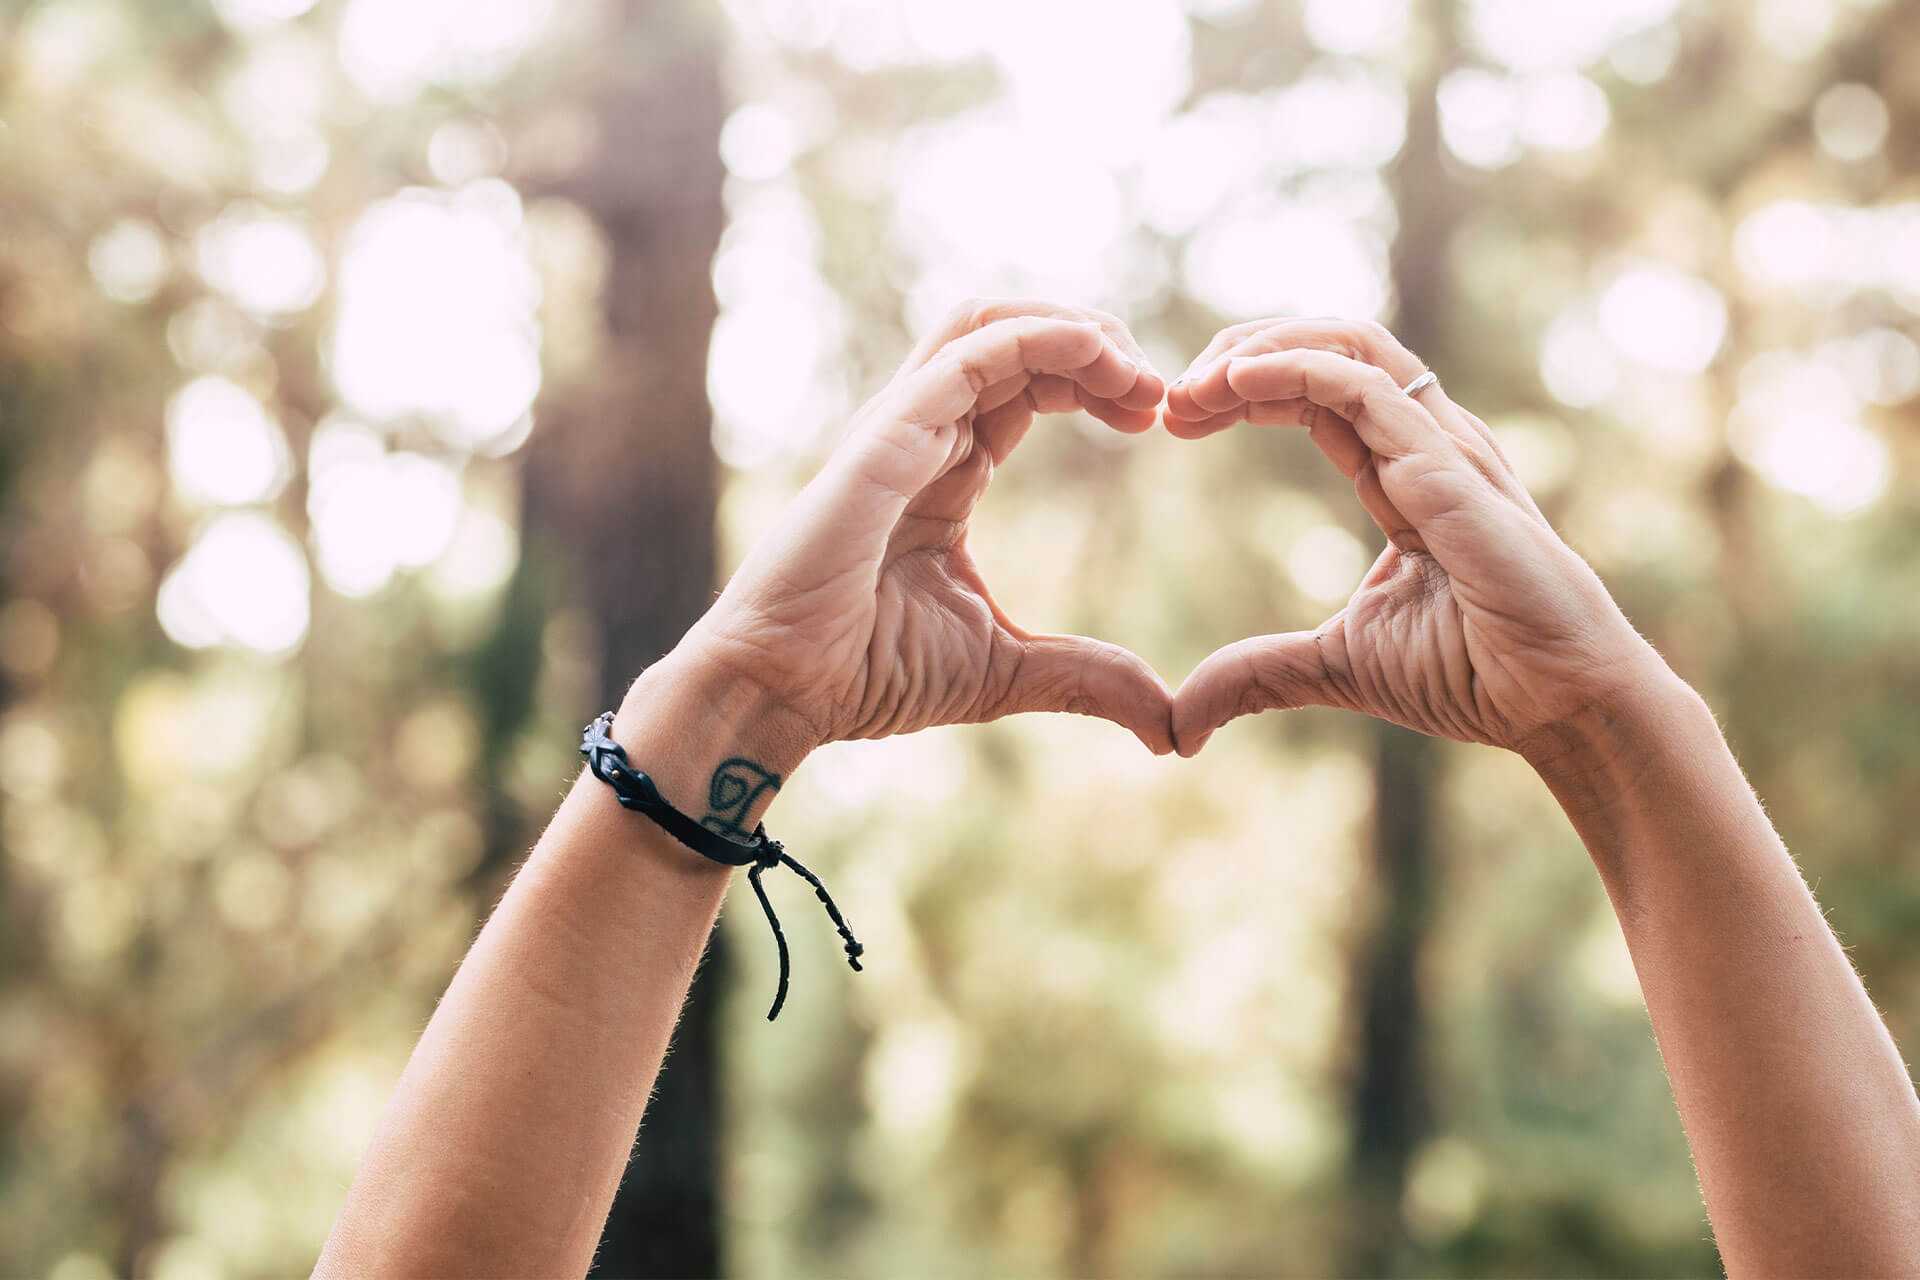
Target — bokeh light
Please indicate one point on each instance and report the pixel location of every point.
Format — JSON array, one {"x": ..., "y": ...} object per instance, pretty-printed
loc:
[
  {"x": 243, "y": 583},
  {"x": 437, "y": 313},
  {"x": 1664, "y": 319},
  {"x": 267, "y": 263},
  {"x": 223, "y": 447}
]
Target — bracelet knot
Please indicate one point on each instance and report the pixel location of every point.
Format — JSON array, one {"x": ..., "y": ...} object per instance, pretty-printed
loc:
[{"x": 713, "y": 839}]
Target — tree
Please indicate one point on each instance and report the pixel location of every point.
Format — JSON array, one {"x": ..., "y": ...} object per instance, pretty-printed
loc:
[{"x": 621, "y": 492}]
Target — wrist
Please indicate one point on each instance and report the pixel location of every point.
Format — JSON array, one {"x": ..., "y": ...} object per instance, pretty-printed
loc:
[
  {"x": 1604, "y": 753},
  {"x": 717, "y": 745}
]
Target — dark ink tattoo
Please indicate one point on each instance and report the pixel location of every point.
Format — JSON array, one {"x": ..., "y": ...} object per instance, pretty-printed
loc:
[{"x": 736, "y": 785}]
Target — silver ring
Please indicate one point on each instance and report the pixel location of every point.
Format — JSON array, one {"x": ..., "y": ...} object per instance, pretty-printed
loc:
[{"x": 1420, "y": 383}]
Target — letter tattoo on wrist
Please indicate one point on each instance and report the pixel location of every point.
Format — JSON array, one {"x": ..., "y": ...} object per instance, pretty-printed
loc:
[{"x": 737, "y": 784}]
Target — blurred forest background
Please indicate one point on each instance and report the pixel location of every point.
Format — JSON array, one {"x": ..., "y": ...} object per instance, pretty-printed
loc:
[{"x": 383, "y": 383}]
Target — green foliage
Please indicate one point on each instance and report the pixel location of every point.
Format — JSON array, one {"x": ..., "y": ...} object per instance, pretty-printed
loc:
[{"x": 1108, "y": 1025}]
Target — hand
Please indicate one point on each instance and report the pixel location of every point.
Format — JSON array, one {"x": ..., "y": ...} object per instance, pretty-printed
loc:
[
  {"x": 861, "y": 614},
  {"x": 1476, "y": 623}
]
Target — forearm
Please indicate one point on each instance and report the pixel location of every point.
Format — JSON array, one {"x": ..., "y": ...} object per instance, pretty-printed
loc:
[
  {"x": 1803, "y": 1121},
  {"x": 506, "y": 1138}
]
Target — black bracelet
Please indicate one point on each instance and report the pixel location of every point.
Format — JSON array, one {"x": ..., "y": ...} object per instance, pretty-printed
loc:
[{"x": 607, "y": 761}]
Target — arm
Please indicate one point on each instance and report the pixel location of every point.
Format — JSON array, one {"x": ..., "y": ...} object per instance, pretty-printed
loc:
[
  {"x": 859, "y": 615},
  {"x": 1478, "y": 623},
  {"x": 502, "y": 1146},
  {"x": 1802, "y": 1118}
]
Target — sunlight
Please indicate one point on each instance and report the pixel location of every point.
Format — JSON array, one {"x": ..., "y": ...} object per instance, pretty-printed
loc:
[
  {"x": 1562, "y": 112},
  {"x": 374, "y": 513},
  {"x": 913, "y": 1076},
  {"x": 1480, "y": 117},
  {"x": 248, "y": 15},
  {"x": 1851, "y": 121},
  {"x": 1326, "y": 563},
  {"x": 480, "y": 556},
  {"x": 243, "y": 584},
  {"x": 437, "y": 313},
  {"x": 1788, "y": 244},
  {"x": 223, "y": 447},
  {"x": 278, "y": 94},
  {"x": 1553, "y": 35},
  {"x": 265, "y": 262},
  {"x": 1882, "y": 365},
  {"x": 129, "y": 261},
  {"x": 1337, "y": 119},
  {"x": 1060, "y": 74},
  {"x": 1798, "y": 425},
  {"x": 1577, "y": 365},
  {"x": 392, "y": 51},
  {"x": 1051, "y": 222},
  {"x": 758, "y": 141},
  {"x": 1277, "y": 258},
  {"x": 1356, "y": 28},
  {"x": 1663, "y": 318},
  {"x": 774, "y": 360},
  {"x": 1796, "y": 30},
  {"x": 1200, "y": 158}
]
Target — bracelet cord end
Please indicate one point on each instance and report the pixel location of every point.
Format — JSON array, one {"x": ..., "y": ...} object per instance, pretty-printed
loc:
[{"x": 607, "y": 761}]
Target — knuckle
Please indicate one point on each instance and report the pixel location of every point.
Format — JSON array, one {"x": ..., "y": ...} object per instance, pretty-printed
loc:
[
  {"x": 1371, "y": 384},
  {"x": 970, "y": 314},
  {"x": 977, "y": 376},
  {"x": 1376, "y": 336}
]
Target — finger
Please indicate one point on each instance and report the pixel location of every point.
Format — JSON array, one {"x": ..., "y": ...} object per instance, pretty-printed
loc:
[
  {"x": 1001, "y": 392},
  {"x": 1373, "y": 498},
  {"x": 1249, "y": 676},
  {"x": 1421, "y": 465},
  {"x": 1375, "y": 344},
  {"x": 1001, "y": 430},
  {"x": 1116, "y": 415},
  {"x": 909, "y": 433},
  {"x": 1203, "y": 427},
  {"x": 1145, "y": 391},
  {"x": 1182, "y": 407},
  {"x": 1093, "y": 678},
  {"x": 1360, "y": 340},
  {"x": 1052, "y": 393},
  {"x": 950, "y": 385},
  {"x": 1335, "y": 437},
  {"x": 1224, "y": 341},
  {"x": 1209, "y": 392},
  {"x": 1281, "y": 413}
]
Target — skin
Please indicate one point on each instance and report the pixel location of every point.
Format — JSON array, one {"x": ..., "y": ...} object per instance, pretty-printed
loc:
[
  {"x": 860, "y": 614},
  {"x": 1478, "y": 623}
]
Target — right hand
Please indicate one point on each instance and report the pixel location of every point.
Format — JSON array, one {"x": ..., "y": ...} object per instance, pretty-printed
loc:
[
  {"x": 860, "y": 613},
  {"x": 1476, "y": 623}
]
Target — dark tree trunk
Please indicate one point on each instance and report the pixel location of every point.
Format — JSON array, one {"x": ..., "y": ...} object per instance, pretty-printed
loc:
[
  {"x": 1390, "y": 1101},
  {"x": 622, "y": 488}
]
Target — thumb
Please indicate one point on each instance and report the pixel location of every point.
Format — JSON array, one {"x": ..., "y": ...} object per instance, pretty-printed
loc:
[
  {"x": 1264, "y": 673},
  {"x": 1093, "y": 678}
]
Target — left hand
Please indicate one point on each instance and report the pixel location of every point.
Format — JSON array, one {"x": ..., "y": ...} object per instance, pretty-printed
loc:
[
  {"x": 861, "y": 613},
  {"x": 1476, "y": 623}
]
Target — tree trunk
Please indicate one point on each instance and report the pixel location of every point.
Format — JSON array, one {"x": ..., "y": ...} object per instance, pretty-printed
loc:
[
  {"x": 622, "y": 486},
  {"x": 1390, "y": 1105}
]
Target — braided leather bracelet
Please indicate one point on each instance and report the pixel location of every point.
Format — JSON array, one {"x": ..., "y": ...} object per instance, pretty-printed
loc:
[{"x": 607, "y": 761}]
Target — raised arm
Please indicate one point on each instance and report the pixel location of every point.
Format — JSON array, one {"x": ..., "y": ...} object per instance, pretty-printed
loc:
[
  {"x": 859, "y": 615},
  {"x": 1478, "y": 623}
]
